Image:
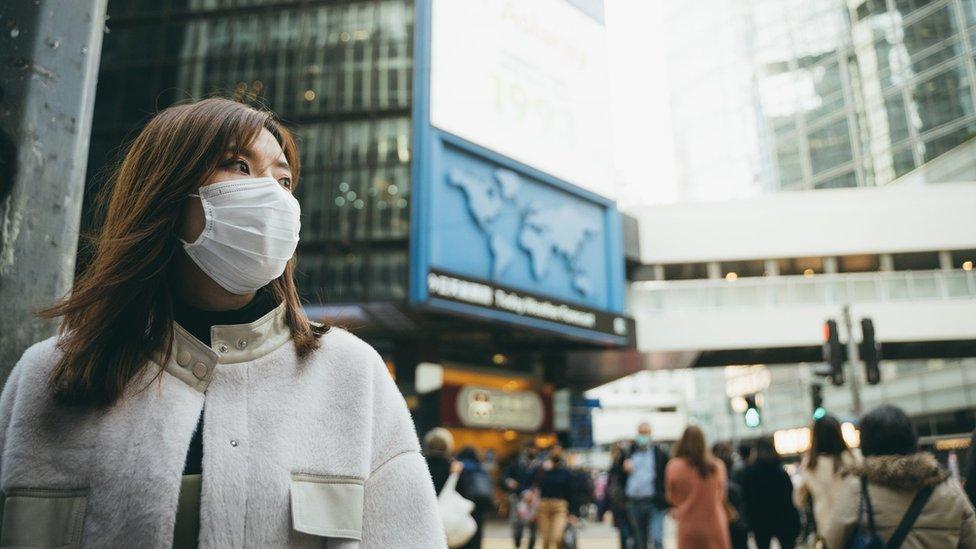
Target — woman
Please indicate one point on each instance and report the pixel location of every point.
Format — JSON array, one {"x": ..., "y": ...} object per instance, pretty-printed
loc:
[
  {"x": 738, "y": 526},
  {"x": 555, "y": 485},
  {"x": 768, "y": 495},
  {"x": 695, "y": 486},
  {"x": 187, "y": 398},
  {"x": 438, "y": 449},
  {"x": 820, "y": 473},
  {"x": 896, "y": 471},
  {"x": 476, "y": 485}
]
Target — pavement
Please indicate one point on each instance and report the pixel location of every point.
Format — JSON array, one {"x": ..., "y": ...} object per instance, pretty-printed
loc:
[{"x": 592, "y": 536}]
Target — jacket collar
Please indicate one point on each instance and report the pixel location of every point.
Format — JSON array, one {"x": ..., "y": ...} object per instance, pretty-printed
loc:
[
  {"x": 193, "y": 363},
  {"x": 909, "y": 472}
]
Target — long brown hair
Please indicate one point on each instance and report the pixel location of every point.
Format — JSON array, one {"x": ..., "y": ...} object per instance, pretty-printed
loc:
[
  {"x": 119, "y": 313},
  {"x": 692, "y": 448},
  {"x": 826, "y": 438}
]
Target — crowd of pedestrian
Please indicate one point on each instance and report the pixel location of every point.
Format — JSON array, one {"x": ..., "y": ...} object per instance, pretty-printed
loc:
[{"x": 887, "y": 491}]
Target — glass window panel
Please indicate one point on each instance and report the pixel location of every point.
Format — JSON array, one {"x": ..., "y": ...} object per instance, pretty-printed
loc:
[
  {"x": 969, "y": 11},
  {"x": 830, "y": 146},
  {"x": 941, "y": 145},
  {"x": 908, "y": 6},
  {"x": 904, "y": 161},
  {"x": 943, "y": 98},
  {"x": 929, "y": 31},
  {"x": 788, "y": 161},
  {"x": 897, "y": 118},
  {"x": 848, "y": 179}
]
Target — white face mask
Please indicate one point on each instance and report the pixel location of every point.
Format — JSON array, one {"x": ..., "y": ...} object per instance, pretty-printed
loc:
[{"x": 251, "y": 232}]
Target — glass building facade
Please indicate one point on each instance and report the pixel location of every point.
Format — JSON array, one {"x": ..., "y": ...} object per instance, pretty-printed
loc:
[
  {"x": 338, "y": 73},
  {"x": 772, "y": 95}
]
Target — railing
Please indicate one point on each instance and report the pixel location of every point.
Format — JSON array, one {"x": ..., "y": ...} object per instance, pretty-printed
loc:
[{"x": 824, "y": 289}]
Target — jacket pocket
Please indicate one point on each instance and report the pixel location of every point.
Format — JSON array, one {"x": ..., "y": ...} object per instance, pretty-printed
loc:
[
  {"x": 43, "y": 517},
  {"x": 330, "y": 506}
]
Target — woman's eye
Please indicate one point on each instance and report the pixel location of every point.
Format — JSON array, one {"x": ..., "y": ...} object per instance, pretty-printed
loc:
[
  {"x": 238, "y": 166},
  {"x": 285, "y": 182}
]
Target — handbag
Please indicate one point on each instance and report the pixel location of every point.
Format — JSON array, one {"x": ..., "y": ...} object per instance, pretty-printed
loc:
[
  {"x": 528, "y": 506},
  {"x": 455, "y": 513},
  {"x": 571, "y": 537},
  {"x": 870, "y": 539},
  {"x": 730, "y": 511}
]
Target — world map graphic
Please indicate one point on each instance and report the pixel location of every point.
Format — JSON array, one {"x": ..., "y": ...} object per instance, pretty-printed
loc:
[{"x": 545, "y": 231}]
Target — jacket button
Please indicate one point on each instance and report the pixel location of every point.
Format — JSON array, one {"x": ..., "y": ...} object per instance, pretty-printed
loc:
[
  {"x": 200, "y": 370},
  {"x": 183, "y": 358},
  {"x": 242, "y": 344},
  {"x": 222, "y": 348},
  {"x": 233, "y": 443}
]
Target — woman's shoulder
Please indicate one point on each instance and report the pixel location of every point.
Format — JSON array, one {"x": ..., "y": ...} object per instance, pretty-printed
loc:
[
  {"x": 36, "y": 363},
  {"x": 339, "y": 348},
  {"x": 677, "y": 465},
  {"x": 27, "y": 382}
]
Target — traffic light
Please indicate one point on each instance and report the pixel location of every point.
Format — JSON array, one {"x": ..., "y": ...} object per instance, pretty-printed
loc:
[
  {"x": 752, "y": 416},
  {"x": 816, "y": 397},
  {"x": 870, "y": 352},
  {"x": 833, "y": 352}
]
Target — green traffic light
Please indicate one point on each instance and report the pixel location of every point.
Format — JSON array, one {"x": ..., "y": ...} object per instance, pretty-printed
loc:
[
  {"x": 819, "y": 413},
  {"x": 752, "y": 418}
]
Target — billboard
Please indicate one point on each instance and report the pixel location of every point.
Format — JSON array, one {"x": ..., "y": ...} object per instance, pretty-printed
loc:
[
  {"x": 499, "y": 228},
  {"x": 527, "y": 80}
]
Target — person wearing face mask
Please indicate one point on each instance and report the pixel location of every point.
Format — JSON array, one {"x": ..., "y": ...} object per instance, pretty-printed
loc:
[
  {"x": 647, "y": 504},
  {"x": 187, "y": 400},
  {"x": 555, "y": 484}
]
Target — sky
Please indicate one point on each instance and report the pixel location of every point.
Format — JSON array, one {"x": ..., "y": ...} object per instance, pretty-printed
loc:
[{"x": 643, "y": 148}]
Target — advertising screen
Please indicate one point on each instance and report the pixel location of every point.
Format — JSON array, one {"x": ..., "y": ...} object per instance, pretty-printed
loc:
[
  {"x": 527, "y": 79},
  {"x": 511, "y": 215}
]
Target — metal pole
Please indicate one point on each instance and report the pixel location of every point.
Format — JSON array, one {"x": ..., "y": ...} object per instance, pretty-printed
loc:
[
  {"x": 49, "y": 54},
  {"x": 853, "y": 359}
]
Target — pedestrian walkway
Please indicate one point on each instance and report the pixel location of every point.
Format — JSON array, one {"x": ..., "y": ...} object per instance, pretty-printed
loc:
[{"x": 592, "y": 536}]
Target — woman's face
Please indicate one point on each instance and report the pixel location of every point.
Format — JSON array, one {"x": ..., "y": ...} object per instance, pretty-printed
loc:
[{"x": 264, "y": 158}]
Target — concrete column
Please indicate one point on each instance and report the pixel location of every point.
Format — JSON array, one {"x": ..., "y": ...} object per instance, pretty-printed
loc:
[
  {"x": 714, "y": 270},
  {"x": 49, "y": 56},
  {"x": 830, "y": 265},
  {"x": 945, "y": 260},
  {"x": 772, "y": 267},
  {"x": 886, "y": 263}
]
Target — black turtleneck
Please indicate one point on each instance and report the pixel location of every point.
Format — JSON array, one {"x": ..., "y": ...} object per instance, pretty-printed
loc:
[{"x": 198, "y": 322}]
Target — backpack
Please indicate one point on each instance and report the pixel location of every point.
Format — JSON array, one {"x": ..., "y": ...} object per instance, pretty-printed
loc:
[
  {"x": 869, "y": 538},
  {"x": 477, "y": 485}
]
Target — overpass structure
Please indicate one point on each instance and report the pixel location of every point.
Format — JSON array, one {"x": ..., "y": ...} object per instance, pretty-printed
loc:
[{"x": 752, "y": 281}]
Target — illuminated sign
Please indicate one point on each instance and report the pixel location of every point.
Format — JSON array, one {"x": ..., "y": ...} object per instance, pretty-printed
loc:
[{"x": 491, "y": 408}]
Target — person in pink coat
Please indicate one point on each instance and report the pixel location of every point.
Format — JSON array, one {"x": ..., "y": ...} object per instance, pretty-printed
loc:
[{"x": 695, "y": 484}]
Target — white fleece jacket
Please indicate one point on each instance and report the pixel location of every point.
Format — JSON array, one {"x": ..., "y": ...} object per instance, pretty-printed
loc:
[{"x": 300, "y": 454}]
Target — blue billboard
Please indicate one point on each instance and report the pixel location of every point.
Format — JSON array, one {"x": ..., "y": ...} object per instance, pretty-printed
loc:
[{"x": 495, "y": 238}]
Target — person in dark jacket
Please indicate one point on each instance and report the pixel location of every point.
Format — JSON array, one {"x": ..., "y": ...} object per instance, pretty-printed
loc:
[
  {"x": 614, "y": 497},
  {"x": 768, "y": 496},
  {"x": 438, "y": 448},
  {"x": 738, "y": 526},
  {"x": 646, "y": 501},
  {"x": 555, "y": 484},
  {"x": 475, "y": 484},
  {"x": 519, "y": 477}
]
